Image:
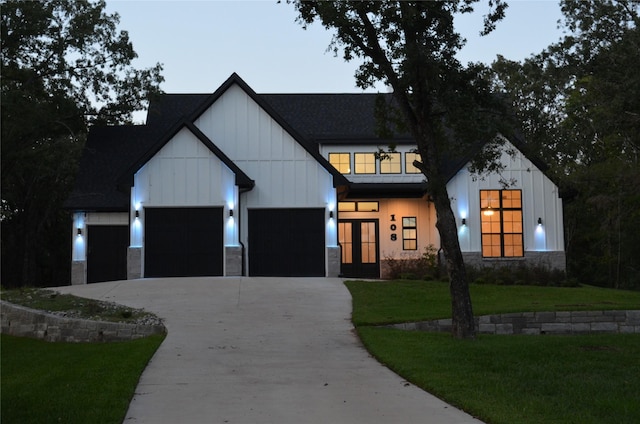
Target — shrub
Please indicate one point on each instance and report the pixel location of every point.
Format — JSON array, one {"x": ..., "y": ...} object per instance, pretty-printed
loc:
[{"x": 532, "y": 275}]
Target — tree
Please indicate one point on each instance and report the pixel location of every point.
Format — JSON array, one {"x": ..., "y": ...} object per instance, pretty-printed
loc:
[
  {"x": 410, "y": 46},
  {"x": 64, "y": 66},
  {"x": 579, "y": 101}
]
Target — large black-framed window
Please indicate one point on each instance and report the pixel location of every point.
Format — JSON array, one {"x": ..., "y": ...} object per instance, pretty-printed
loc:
[
  {"x": 409, "y": 158},
  {"x": 501, "y": 220}
]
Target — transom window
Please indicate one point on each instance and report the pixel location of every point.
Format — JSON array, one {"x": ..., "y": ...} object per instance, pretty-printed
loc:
[
  {"x": 365, "y": 163},
  {"x": 409, "y": 158},
  {"x": 358, "y": 206},
  {"x": 501, "y": 218},
  {"x": 341, "y": 161},
  {"x": 391, "y": 164},
  {"x": 409, "y": 233}
]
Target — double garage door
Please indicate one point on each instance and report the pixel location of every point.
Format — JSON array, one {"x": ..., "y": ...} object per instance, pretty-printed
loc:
[{"x": 189, "y": 242}]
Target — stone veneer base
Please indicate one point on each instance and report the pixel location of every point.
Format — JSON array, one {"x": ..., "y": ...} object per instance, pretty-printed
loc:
[{"x": 26, "y": 322}]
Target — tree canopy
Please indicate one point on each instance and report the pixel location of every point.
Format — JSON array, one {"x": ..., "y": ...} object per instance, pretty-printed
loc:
[
  {"x": 65, "y": 65},
  {"x": 579, "y": 104}
]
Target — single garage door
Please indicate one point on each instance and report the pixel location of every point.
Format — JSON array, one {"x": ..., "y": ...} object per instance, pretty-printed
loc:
[
  {"x": 107, "y": 252},
  {"x": 286, "y": 242},
  {"x": 183, "y": 242}
]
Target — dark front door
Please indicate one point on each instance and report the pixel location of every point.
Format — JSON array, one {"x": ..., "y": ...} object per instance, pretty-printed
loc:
[
  {"x": 107, "y": 252},
  {"x": 183, "y": 242},
  {"x": 286, "y": 242},
  {"x": 360, "y": 253}
]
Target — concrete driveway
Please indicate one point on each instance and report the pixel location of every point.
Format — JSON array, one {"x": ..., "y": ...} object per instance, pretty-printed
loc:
[{"x": 263, "y": 350}]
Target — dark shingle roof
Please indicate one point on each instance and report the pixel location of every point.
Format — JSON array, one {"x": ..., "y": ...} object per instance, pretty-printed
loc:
[{"x": 108, "y": 153}]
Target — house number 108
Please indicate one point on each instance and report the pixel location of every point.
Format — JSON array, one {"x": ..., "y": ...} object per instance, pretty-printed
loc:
[{"x": 393, "y": 227}]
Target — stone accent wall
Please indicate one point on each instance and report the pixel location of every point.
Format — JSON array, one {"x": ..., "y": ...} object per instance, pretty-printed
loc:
[
  {"x": 537, "y": 323},
  {"x": 549, "y": 259},
  {"x": 134, "y": 263},
  {"x": 78, "y": 272},
  {"x": 333, "y": 262},
  {"x": 26, "y": 322},
  {"x": 233, "y": 259}
]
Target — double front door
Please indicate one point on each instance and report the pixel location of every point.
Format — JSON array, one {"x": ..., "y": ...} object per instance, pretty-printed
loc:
[{"x": 360, "y": 252}]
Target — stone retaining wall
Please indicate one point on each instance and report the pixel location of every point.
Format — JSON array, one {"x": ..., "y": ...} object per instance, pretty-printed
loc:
[
  {"x": 26, "y": 322},
  {"x": 579, "y": 322}
]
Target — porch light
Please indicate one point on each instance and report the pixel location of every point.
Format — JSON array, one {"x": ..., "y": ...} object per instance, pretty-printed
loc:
[
  {"x": 230, "y": 213},
  {"x": 488, "y": 211},
  {"x": 330, "y": 214},
  {"x": 79, "y": 232},
  {"x": 137, "y": 214},
  {"x": 464, "y": 222},
  {"x": 539, "y": 221}
]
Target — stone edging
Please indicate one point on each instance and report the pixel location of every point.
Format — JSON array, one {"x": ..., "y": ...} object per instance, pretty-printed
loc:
[
  {"x": 536, "y": 323},
  {"x": 26, "y": 322}
]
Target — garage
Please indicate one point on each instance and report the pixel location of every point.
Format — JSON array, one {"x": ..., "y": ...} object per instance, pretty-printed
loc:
[
  {"x": 107, "y": 253},
  {"x": 287, "y": 242},
  {"x": 183, "y": 242}
]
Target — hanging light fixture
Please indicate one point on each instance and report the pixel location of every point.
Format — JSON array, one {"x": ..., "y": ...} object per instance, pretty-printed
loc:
[{"x": 488, "y": 211}]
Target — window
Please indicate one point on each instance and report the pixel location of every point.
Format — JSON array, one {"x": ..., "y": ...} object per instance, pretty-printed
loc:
[
  {"x": 501, "y": 218},
  {"x": 390, "y": 164},
  {"x": 365, "y": 163},
  {"x": 409, "y": 233},
  {"x": 341, "y": 161},
  {"x": 409, "y": 158},
  {"x": 358, "y": 206}
]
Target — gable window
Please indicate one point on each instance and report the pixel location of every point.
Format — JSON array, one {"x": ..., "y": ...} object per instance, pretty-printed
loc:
[
  {"x": 409, "y": 233},
  {"x": 391, "y": 164},
  {"x": 341, "y": 161},
  {"x": 501, "y": 218},
  {"x": 409, "y": 158},
  {"x": 365, "y": 163}
]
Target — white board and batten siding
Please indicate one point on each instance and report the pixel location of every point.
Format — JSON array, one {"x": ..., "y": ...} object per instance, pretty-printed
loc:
[
  {"x": 185, "y": 173},
  {"x": 285, "y": 174},
  {"x": 540, "y": 199}
]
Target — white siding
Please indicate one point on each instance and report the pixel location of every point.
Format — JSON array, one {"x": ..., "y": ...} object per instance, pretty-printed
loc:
[
  {"x": 540, "y": 199},
  {"x": 183, "y": 173},
  {"x": 286, "y": 175}
]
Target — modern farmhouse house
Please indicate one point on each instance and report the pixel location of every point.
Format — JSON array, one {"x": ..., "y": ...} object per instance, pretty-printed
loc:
[{"x": 238, "y": 183}]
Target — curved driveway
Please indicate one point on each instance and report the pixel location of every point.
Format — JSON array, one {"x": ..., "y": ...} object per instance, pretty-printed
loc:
[{"x": 263, "y": 350}]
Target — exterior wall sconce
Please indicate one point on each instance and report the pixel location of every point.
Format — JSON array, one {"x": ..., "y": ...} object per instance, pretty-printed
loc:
[
  {"x": 539, "y": 221},
  {"x": 137, "y": 214},
  {"x": 330, "y": 214},
  {"x": 230, "y": 213},
  {"x": 464, "y": 222},
  {"x": 79, "y": 232}
]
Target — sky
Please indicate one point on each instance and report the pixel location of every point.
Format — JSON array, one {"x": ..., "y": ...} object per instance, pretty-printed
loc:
[{"x": 201, "y": 43}]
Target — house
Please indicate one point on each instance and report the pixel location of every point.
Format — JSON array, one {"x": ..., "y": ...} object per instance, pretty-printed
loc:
[{"x": 237, "y": 183}]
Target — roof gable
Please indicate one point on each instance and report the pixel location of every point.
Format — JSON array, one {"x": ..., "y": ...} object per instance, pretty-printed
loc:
[
  {"x": 242, "y": 179},
  {"x": 311, "y": 148}
]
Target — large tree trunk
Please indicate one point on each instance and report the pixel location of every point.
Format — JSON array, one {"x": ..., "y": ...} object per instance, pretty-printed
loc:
[{"x": 461, "y": 308}]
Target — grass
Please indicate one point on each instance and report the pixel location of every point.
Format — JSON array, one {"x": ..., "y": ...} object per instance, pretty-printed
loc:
[
  {"x": 70, "y": 382},
  {"x": 406, "y": 301},
  {"x": 507, "y": 379}
]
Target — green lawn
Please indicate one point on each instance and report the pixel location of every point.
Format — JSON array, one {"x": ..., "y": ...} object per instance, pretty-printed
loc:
[
  {"x": 405, "y": 301},
  {"x": 70, "y": 382},
  {"x": 507, "y": 379}
]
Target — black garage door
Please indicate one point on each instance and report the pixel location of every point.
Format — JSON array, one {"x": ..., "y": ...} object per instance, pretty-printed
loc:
[
  {"x": 107, "y": 252},
  {"x": 286, "y": 242},
  {"x": 183, "y": 242}
]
